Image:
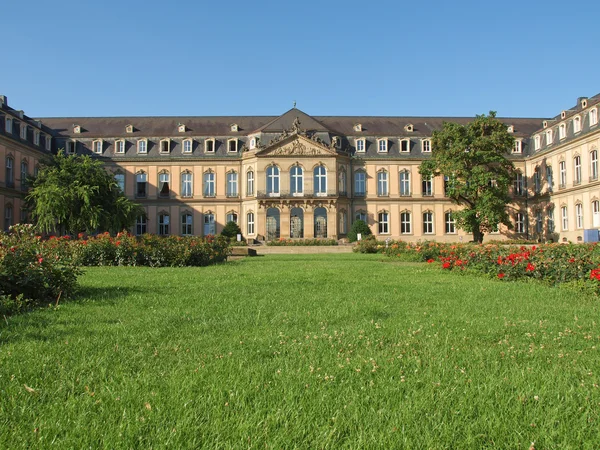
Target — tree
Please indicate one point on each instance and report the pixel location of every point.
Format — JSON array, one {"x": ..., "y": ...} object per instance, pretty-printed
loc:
[
  {"x": 73, "y": 194},
  {"x": 359, "y": 226},
  {"x": 477, "y": 174},
  {"x": 231, "y": 230}
]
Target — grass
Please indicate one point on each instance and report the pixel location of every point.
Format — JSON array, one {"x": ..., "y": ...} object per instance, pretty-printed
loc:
[{"x": 303, "y": 351}]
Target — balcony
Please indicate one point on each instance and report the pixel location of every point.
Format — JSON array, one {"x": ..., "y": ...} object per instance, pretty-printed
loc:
[{"x": 288, "y": 194}]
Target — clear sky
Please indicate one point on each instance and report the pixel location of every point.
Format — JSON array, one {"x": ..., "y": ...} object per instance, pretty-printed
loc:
[{"x": 421, "y": 58}]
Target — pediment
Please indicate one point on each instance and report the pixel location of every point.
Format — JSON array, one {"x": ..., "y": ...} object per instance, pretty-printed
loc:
[{"x": 297, "y": 146}]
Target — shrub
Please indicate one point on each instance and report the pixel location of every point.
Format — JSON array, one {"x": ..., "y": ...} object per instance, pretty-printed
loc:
[
  {"x": 359, "y": 226},
  {"x": 368, "y": 245},
  {"x": 231, "y": 230}
]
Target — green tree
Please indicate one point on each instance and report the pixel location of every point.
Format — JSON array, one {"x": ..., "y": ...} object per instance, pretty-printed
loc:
[
  {"x": 472, "y": 157},
  {"x": 73, "y": 194},
  {"x": 359, "y": 226},
  {"x": 231, "y": 230}
]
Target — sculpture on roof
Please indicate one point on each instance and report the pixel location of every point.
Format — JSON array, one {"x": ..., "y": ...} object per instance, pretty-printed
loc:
[{"x": 296, "y": 125}]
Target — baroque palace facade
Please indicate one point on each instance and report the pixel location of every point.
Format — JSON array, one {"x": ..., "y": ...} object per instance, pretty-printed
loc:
[{"x": 298, "y": 176}]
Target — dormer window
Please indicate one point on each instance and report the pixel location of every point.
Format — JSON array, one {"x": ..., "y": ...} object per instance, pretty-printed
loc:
[
  {"x": 563, "y": 114},
  {"x": 165, "y": 146},
  {"x": 181, "y": 128},
  {"x": 129, "y": 129},
  {"x": 232, "y": 145},
  {"x": 511, "y": 128},
  {"x": 409, "y": 127},
  {"x": 562, "y": 131},
  {"x": 71, "y": 147},
  {"x": 36, "y": 137},
  {"x": 360, "y": 145},
  {"x": 549, "y": 137},
  {"x": 426, "y": 146},
  {"x": 252, "y": 143},
  {"x": 23, "y": 130},
  {"x": 357, "y": 127},
  {"x": 187, "y": 146},
  {"x": 209, "y": 145},
  {"x": 48, "y": 142},
  {"x": 97, "y": 146},
  {"x": 77, "y": 129},
  {"x": 120, "y": 146},
  {"x": 142, "y": 146},
  {"x": 337, "y": 141},
  {"x": 382, "y": 145},
  {"x": 593, "y": 116},
  {"x": 234, "y": 127},
  {"x": 518, "y": 148},
  {"x": 8, "y": 124},
  {"x": 536, "y": 142},
  {"x": 576, "y": 124}
]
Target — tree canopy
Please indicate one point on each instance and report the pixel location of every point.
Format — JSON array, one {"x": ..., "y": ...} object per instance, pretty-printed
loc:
[
  {"x": 73, "y": 194},
  {"x": 472, "y": 158}
]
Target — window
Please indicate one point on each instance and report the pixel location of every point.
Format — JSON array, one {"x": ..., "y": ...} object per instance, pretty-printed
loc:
[
  {"x": 427, "y": 222},
  {"x": 8, "y": 217},
  {"x": 71, "y": 147},
  {"x": 36, "y": 137},
  {"x": 273, "y": 180},
  {"x": 538, "y": 222},
  {"x": 593, "y": 117},
  {"x": 549, "y": 178},
  {"x": 186, "y": 184},
  {"x": 231, "y": 217},
  {"x": 549, "y": 137},
  {"x": 577, "y": 165},
  {"x": 361, "y": 215},
  {"x": 382, "y": 183},
  {"x": 24, "y": 174},
  {"x": 405, "y": 223},
  {"x": 232, "y": 145},
  {"x": 165, "y": 146},
  {"x": 209, "y": 224},
  {"x": 129, "y": 129},
  {"x": 48, "y": 142},
  {"x": 120, "y": 180},
  {"x": 536, "y": 142},
  {"x": 250, "y": 183},
  {"x": 360, "y": 183},
  {"x": 579, "y": 215},
  {"x": 536, "y": 180},
  {"x": 140, "y": 225},
  {"x": 550, "y": 220},
  {"x": 405, "y": 183},
  {"x": 10, "y": 173},
  {"x": 565, "y": 218},
  {"x": 296, "y": 181},
  {"x": 520, "y": 223},
  {"x": 518, "y": 184},
  {"x": 427, "y": 186},
  {"x": 209, "y": 146},
  {"x": 141, "y": 180},
  {"x": 142, "y": 146},
  {"x": 593, "y": 165},
  {"x": 450, "y": 223},
  {"x": 360, "y": 145},
  {"x": 426, "y": 146},
  {"x": 596, "y": 214},
  {"x": 576, "y": 124},
  {"x": 252, "y": 143},
  {"x": 562, "y": 168},
  {"x": 164, "y": 184},
  {"x": 23, "y": 130},
  {"x": 97, "y": 147},
  {"x": 250, "y": 223},
  {"x": 163, "y": 224},
  {"x": 562, "y": 131},
  {"x": 209, "y": 184},
  {"x": 384, "y": 225},
  {"x": 342, "y": 182},
  {"x": 120, "y": 146},
  {"x": 187, "y": 146},
  {"x": 8, "y": 125},
  {"x": 382, "y": 145},
  {"x": 187, "y": 228},
  {"x": 320, "y": 175},
  {"x": 232, "y": 184},
  {"x": 518, "y": 148}
]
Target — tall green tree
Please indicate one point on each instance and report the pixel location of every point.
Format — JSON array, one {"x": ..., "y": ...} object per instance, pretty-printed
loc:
[
  {"x": 73, "y": 194},
  {"x": 473, "y": 158}
]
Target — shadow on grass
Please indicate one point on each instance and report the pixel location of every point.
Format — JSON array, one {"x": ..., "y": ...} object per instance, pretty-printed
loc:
[{"x": 105, "y": 294}]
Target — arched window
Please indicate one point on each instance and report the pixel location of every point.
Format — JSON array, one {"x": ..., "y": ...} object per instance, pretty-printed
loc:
[
  {"x": 520, "y": 223},
  {"x": 120, "y": 180},
  {"x": 427, "y": 186},
  {"x": 536, "y": 180},
  {"x": 562, "y": 168},
  {"x": 141, "y": 225},
  {"x": 596, "y": 214},
  {"x": 232, "y": 184},
  {"x": 296, "y": 180},
  {"x": 593, "y": 165},
  {"x": 427, "y": 222},
  {"x": 187, "y": 186},
  {"x": 24, "y": 174},
  {"x": 342, "y": 182},
  {"x": 384, "y": 222},
  {"x": 405, "y": 183},
  {"x": 320, "y": 178},
  {"x": 164, "y": 181},
  {"x": 250, "y": 223},
  {"x": 551, "y": 220},
  {"x": 406, "y": 222},
  {"x": 579, "y": 215},
  {"x": 209, "y": 224},
  {"x": 549, "y": 178},
  {"x": 250, "y": 183},
  {"x": 10, "y": 173},
  {"x": 273, "y": 180},
  {"x": 231, "y": 217},
  {"x": 382, "y": 183},
  {"x": 564, "y": 213},
  {"x": 450, "y": 223},
  {"x": 361, "y": 215},
  {"x": 360, "y": 183},
  {"x": 141, "y": 181},
  {"x": 164, "y": 222},
  {"x": 577, "y": 167},
  {"x": 209, "y": 184},
  {"x": 187, "y": 228}
]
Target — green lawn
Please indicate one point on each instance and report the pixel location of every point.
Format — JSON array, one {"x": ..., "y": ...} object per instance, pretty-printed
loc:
[{"x": 303, "y": 351}]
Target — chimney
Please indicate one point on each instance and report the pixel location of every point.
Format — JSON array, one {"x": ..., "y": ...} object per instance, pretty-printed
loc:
[{"x": 21, "y": 113}]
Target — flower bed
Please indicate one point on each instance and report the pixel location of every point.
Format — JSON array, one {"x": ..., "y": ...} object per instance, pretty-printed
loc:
[
  {"x": 550, "y": 263},
  {"x": 301, "y": 242}
]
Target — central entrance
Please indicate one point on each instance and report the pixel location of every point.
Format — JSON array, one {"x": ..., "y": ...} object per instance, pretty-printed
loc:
[
  {"x": 296, "y": 223},
  {"x": 272, "y": 224},
  {"x": 320, "y": 222}
]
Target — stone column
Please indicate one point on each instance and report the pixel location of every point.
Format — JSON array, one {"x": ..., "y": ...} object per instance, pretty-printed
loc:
[
  {"x": 309, "y": 222},
  {"x": 332, "y": 222},
  {"x": 284, "y": 222}
]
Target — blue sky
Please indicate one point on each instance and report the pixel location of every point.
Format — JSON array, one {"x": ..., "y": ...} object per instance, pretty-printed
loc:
[{"x": 436, "y": 58}]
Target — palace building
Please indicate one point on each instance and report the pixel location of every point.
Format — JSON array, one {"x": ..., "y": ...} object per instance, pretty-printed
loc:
[{"x": 302, "y": 176}]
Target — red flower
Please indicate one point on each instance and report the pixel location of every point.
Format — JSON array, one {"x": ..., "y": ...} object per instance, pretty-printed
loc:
[
  {"x": 572, "y": 260},
  {"x": 530, "y": 267},
  {"x": 118, "y": 243},
  {"x": 80, "y": 235},
  {"x": 40, "y": 260},
  {"x": 446, "y": 265},
  {"x": 429, "y": 261},
  {"x": 595, "y": 274},
  {"x": 499, "y": 260},
  {"x": 501, "y": 275}
]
